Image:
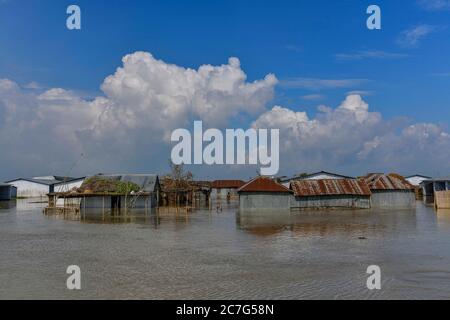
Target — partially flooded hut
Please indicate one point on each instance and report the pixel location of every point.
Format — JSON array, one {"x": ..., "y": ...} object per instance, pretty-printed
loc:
[
  {"x": 390, "y": 191},
  {"x": 330, "y": 193},
  {"x": 437, "y": 191},
  {"x": 225, "y": 189},
  {"x": 115, "y": 191},
  {"x": 184, "y": 193},
  {"x": 264, "y": 193}
]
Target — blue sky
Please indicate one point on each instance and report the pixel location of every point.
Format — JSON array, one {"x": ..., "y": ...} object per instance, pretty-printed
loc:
[
  {"x": 320, "y": 51},
  {"x": 288, "y": 38}
]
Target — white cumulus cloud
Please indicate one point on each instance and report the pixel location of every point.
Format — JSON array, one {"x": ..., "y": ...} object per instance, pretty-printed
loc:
[
  {"x": 144, "y": 100},
  {"x": 354, "y": 139}
]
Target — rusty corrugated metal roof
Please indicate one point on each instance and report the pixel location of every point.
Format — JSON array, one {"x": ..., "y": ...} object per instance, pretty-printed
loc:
[
  {"x": 392, "y": 181},
  {"x": 227, "y": 184},
  {"x": 263, "y": 184},
  {"x": 330, "y": 187}
]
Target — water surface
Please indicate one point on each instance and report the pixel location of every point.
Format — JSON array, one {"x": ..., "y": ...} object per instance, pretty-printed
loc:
[{"x": 225, "y": 255}]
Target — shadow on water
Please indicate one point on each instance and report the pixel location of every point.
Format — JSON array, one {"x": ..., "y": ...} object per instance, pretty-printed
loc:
[{"x": 8, "y": 204}]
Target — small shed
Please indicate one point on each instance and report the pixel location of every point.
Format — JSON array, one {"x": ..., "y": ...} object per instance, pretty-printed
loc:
[
  {"x": 330, "y": 193},
  {"x": 7, "y": 192},
  {"x": 437, "y": 191},
  {"x": 225, "y": 189},
  {"x": 115, "y": 191},
  {"x": 263, "y": 193},
  {"x": 390, "y": 191},
  {"x": 146, "y": 196}
]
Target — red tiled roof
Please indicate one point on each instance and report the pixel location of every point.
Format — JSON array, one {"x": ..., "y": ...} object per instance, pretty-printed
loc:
[
  {"x": 329, "y": 187},
  {"x": 227, "y": 184},
  {"x": 392, "y": 181},
  {"x": 263, "y": 184}
]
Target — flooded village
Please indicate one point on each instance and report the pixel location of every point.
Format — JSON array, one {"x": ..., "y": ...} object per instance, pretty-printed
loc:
[
  {"x": 119, "y": 193},
  {"x": 173, "y": 237}
]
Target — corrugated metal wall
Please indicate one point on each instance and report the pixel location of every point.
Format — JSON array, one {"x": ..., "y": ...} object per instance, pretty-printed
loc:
[
  {"x": 393, "y": 199},
  {"x": 257, "y": 201},
  {"x": 317, "y": 202}
]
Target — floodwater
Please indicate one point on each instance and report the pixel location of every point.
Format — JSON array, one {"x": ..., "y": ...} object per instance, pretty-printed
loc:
[{"x": 225, "y": 255}]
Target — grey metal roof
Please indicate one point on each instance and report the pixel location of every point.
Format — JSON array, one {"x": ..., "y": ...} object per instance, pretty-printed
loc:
[
  {"x": 71, "y": 180},
  {"x": 38, "y": 181},
  {"x": 147, "y": 182},
  {"x": 6, "y": 185},
  {"x": 447, "y": 178},
  {"x": 418, "y": 175},
  {"x": 308, "y": 176}
]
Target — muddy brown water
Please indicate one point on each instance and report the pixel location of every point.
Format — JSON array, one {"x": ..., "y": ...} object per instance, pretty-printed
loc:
[{"x": 225, "y": 255}]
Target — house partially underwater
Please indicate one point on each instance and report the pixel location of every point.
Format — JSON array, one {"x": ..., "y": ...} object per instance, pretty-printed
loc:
[
  {"x": 437, "y": 192},
  {"x": 263, "y": 193},
  {"x": 379, "y": 191},
  {"x": 225, "y": 189},
  {"x": 108, "y": 192},
  {"x": 330, "y": 193},
  {"x": 390, "y": 191}
]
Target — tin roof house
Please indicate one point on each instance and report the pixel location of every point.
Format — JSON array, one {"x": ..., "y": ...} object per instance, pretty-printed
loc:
[
  {"x": 225, "y": 189},
  {"x": 330, "y": 194},
  {"x": 390, "y": 191},
  {"x": 263, "y": 193}
]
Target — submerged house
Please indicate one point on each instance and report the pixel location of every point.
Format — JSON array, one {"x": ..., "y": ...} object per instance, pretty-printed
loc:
[
  {"x": 390, "y": 191},
  {"x": 184, "y": 193},
  {"x": 37, "y": 187},
  {"x": 115, "y": 191},
  {"x": 437, "y": 191},
  {"x": 416, "y": 180},
  {"x": 263, "y": 193},
  {"x": 330, "y": 193},
  {"x": 225, "y": 189},
  {"x": 7, "y": 192},
  {"x": 321, "y": 175}
]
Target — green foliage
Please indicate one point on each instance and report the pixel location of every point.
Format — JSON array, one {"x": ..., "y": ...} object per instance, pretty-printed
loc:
[{"x": 98, "y": 184}]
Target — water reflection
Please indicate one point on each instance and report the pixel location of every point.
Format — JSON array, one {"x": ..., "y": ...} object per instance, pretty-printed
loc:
[
  {"x": 9, "y": 204},
  {"x": 443, "y": 218},
  {"x": 361, "y": 222},
  {"x": 152, "y": 217},
  {"x": 222, "y": 254}
]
